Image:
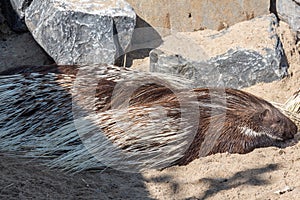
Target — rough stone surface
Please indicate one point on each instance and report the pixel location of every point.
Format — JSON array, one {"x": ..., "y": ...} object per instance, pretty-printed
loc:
[
  {"x": 12, "y": 17},
  {"x": 81, "y": 32},
  {"x": 193, "y": 15},
  {"x": 1, "y": 15},
  {"x": 289, "y": 11},
  {"x": 19, "y": 50},
  {"x": 20, "y": 6},
  {"x": 242, "y": 55},
  {"x": 291, "y": 49}
]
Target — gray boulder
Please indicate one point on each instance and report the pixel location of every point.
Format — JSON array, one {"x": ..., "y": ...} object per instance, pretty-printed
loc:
[
  {"x": 17, "y": 50},
  {"x": 2, "y": 19},
  {"x": 20, "y": 6},
  {"x": 81, "y": 32},
  {"x": 289, "y": 12},
  {"x": 242, "y": 55},
  {"x": 12, "y": 17}
]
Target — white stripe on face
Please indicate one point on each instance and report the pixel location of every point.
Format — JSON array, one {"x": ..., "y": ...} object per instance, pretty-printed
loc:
[{"x": 251, "y": 133}]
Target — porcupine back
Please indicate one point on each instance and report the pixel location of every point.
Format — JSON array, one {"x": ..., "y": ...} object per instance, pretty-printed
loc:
[
  {"x": 37, "y": 118},
  {"x": 129, "y": 120}
]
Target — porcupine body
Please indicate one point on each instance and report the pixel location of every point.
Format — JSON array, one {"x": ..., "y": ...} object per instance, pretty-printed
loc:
[{"x": 86, "y": 117}]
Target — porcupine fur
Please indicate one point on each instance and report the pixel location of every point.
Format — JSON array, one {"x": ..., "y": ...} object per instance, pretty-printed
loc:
[{"x": 55, "y": 112}]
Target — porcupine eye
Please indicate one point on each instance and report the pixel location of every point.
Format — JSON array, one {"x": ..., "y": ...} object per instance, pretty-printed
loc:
[
  {"x": 269, "y": 122},
  {"x": 277, "y": 122}
]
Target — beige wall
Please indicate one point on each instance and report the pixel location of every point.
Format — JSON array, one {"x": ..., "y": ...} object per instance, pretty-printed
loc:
[{"x": 190, "y": 15}]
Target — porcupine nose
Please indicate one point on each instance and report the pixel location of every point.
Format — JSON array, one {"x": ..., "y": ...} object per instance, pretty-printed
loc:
[
  {"x": 289, "y": 135},
  {"x": 292, "y": 131}
]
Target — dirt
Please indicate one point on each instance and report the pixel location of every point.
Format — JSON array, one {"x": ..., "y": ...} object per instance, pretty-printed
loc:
[
  {"x": 267, "y": 173},
  {"x": 30, "y": 179}
]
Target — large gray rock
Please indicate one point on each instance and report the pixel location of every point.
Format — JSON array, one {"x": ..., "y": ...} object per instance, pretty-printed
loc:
[
  {"x": 240, "y": 56},
  {"x": 12, "y": 17},
  {"x": 289, "y": 11},
  {"x": 1, "y": 16},
  {"x": 81, "y": 32},
  {"x": 20, "y": 6},
  {"x": 19, "y": 50}
]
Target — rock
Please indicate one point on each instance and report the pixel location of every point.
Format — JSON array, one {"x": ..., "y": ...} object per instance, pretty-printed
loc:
[
  {"x": 20, "y": 6},
  {"x": 19, "y": 50},
  {"x": 289, "y": 43},
  {"x": 1, "y": 15},
  {"x": 14, "y": 21},
  {"x": 194, "y": 15},
  {"x": 242, "y": 55},
  {"x": 289, "y": 11},
  {"x": 81, "y": 32}
]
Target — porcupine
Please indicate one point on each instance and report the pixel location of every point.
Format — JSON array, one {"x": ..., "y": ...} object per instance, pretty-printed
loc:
[{"x": 162, "y": 122}]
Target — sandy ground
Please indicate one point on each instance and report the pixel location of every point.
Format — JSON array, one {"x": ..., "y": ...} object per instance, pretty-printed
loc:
[{"x": 268, "y": 173}]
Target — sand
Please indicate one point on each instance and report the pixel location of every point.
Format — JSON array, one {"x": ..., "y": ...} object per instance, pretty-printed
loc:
[{"x": 266, "y": 173}]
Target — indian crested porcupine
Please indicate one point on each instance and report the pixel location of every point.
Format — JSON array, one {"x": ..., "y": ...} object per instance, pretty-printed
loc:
[{"x": 90, "y": 116}]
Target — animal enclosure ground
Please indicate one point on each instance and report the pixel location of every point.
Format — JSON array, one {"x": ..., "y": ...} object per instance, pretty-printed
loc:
[{"x": 267, "y": 173}]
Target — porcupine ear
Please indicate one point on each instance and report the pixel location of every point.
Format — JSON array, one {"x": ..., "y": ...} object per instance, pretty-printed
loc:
[{"x": 264, "y": 115}]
